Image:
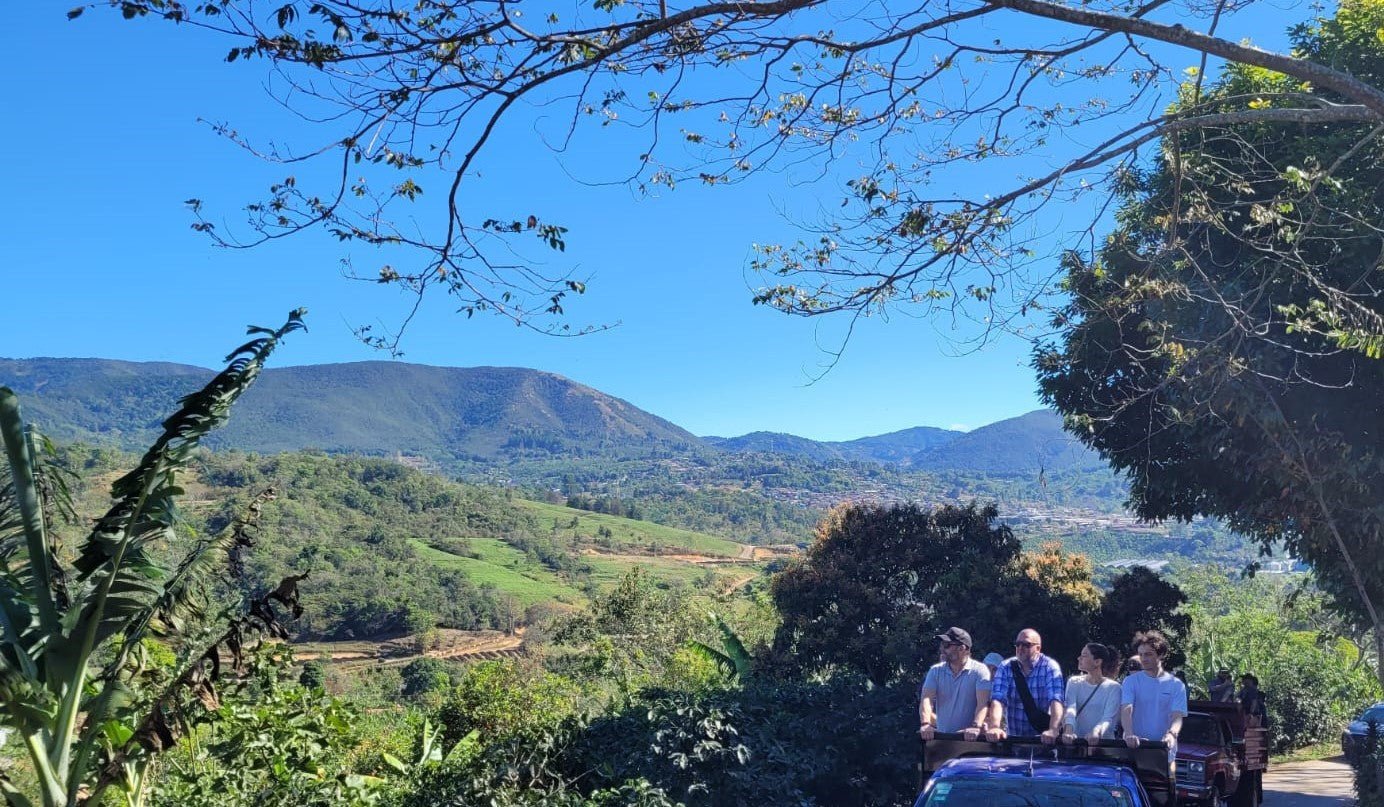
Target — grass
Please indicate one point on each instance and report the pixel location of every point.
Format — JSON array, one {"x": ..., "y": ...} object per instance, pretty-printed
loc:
[
  {"x": 1325, "y": 750},
  {"x": 630, "y": 533},
  {"x": 510, "y": 571},
  {"x": 507, "y": 569},
  {"x": 607, "y": 571}
]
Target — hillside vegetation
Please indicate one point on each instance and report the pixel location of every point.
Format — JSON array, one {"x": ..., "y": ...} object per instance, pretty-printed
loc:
[{"x": 390, "y": 549}]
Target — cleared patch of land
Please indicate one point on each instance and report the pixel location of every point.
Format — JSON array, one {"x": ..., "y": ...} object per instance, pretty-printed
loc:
[
  {"x": 507, "y": 569},
  {"x": 622, "y": 534}
]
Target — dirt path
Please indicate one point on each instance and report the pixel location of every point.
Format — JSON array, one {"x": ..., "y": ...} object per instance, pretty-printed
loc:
[
  {"x": 455, "y": 644},
  {"x": 1324, "y": 783}
]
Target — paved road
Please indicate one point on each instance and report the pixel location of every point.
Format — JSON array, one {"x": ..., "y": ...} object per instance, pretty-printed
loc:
[{"x": 1326, "y": 783}]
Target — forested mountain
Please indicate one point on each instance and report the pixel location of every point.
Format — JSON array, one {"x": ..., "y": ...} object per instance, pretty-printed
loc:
[
  {"x": 1026, "y": 444},
  {"x": 895, "y": 447},
  {"x": 474, "y": 415},
  {"x": 443, "y": 413}
]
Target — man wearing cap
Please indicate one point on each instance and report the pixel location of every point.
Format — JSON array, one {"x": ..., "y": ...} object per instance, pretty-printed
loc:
[{"x": 956, "y": 691}]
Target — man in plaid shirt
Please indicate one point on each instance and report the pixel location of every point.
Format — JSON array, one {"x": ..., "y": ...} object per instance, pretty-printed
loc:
[{"x": 1045, "y": 684}]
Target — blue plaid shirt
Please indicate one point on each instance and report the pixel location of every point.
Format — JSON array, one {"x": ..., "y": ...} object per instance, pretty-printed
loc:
[{"x": 1044, "y": 683}]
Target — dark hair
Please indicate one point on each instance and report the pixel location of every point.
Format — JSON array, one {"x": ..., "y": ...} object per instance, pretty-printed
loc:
[
  {"x": 1133, "y": 665},
  {"x": 1107, "y": 656},
  {"x": 1152, "y": 638},
  {"x": 1250, "y": 677}
]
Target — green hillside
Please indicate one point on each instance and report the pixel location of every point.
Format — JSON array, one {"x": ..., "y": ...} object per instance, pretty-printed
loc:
[
  {"x": 495, "y": 564},
  {"x": 444, "y": 413},
  {"x": 617, "y": 533}
]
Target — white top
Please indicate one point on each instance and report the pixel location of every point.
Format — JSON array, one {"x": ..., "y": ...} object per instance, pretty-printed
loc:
[
  {"x": 1155, "y": 701},
  {"x": 1101, "y": 707}
]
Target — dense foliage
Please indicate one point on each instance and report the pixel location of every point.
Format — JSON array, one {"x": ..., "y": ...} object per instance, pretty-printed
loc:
[
  {"x": 880, "y": 582},
  {"x": 109, "y": 650},
  {"x": 1314, "y": 679},
  {"x": 1222, "y": 347},
  {"x": 1143, "y": 600}
]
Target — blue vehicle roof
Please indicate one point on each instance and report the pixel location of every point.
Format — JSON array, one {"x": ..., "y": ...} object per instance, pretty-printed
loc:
[{"x": 1045, "y": 769}]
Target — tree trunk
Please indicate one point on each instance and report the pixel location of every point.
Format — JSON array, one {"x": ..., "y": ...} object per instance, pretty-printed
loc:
[{"x": 1379, "y": 653}]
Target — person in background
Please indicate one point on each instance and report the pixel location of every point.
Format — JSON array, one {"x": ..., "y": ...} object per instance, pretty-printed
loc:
[
  {"x": 1152, "y": 701},
  {"x": 993, "y": 661},
  {"x": 1252, "y": 701},
  {"x": 1093, "y": 699},
  {"x": 1026, "y": 696},
  {"x": 1222, "y": 687},
  {"x": 956, "y": 691}
]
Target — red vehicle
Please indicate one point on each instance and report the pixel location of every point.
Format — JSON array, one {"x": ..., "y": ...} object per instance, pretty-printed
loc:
[{"x": 1220, "y": 760}]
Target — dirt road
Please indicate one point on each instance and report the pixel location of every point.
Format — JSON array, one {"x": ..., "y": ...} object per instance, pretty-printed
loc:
[{"x": 1325, "y": 783}]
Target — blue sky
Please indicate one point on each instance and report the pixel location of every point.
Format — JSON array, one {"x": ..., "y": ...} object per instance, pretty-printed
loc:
[{"x": 105, "y": 145}]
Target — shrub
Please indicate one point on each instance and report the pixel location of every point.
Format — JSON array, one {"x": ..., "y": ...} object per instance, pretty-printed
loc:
[{"x": 1369, "y": 770}]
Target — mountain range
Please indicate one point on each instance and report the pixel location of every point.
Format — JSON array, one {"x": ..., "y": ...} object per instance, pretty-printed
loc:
[{"x": 476, "y": 415}]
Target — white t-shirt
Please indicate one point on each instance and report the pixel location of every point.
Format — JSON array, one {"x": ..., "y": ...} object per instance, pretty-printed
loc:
[
  {"x": 1091, "y": 708},
  {"x": 1155, "y": 700}
]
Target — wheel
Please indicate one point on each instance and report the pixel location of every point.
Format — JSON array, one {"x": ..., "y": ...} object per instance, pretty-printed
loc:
[{"x": 1245, "y": 793}]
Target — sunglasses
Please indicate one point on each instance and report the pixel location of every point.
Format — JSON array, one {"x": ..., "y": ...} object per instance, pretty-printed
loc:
[{"x": 1025, "y": 644}]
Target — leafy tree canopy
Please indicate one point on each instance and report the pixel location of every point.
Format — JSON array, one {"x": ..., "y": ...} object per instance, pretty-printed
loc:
[
  {"x": 1222, "y": 347},
  {"x": 880, "y": 583}
]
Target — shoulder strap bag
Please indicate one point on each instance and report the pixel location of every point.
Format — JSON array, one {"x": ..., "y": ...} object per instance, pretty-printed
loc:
[{"x": 1037, "y": 717}]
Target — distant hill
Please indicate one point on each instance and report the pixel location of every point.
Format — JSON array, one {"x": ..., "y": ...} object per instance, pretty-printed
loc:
[
  {"x": 779, "y": 443},
  {"x": 475, "y": 413},
  {"x": 1022, "y": 445},
  {"x": 895, "y": 447},
  {"x": 1018, "y": 446},
  {"x": 478, "y": 417},
  {"x": 901, "y": 445}
]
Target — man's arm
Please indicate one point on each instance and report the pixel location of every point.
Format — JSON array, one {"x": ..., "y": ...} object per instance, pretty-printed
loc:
[
  {"x": 927, "y": 719},
  {"x": 1174, "y": 729},
  {"x": 999, "y": 690},
  {"x": 996, "y": 723},
  {"x": 1178, "y": 710}
]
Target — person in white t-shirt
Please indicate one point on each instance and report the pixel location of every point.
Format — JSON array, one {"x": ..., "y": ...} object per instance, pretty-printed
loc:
[
  {"x": 1093, "y": 699},
  {"x": 1152, "y": 701}
]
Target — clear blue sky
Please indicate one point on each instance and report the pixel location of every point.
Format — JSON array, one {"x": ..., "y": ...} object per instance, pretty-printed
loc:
[{"x": 104, "y": 145}]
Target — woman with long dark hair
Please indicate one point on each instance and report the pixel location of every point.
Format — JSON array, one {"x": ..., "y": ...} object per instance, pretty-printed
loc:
[{"x": 1093, "y": 699}]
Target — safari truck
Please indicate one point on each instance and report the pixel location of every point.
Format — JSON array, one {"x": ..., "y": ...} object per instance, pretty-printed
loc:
[
  {"x": 1023, "y": 772},
  {"x": 1220, "y": 760}
]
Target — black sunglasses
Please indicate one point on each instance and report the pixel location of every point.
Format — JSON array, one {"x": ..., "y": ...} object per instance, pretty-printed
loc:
[{"x": 1025, "y": 644}]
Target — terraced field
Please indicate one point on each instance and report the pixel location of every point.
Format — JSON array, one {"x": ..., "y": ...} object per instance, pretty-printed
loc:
[{"x": 610, "y": 546}]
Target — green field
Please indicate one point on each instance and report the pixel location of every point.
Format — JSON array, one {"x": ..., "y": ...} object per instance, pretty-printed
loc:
[
  {"x": 507, "y": 569},
  {"x": 626, "y": 533},
  {"x": 607, "y": 571}
]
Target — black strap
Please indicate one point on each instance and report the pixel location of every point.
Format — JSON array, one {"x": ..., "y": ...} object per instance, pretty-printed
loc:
[
  {"x": 1082, "y": 708},
  {"x": 1037, "y": 717}
]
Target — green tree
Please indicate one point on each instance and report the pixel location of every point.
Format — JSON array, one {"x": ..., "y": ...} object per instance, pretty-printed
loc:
[
  {"x": 424, "y": 676},
  {"x": 880, "y": 582},
  {"x": 1222, "y": 347},
  {"x": 1140, "y": 599},
  {"x": 1313, "y": 682},
  {"x": 72, "y": 631}
]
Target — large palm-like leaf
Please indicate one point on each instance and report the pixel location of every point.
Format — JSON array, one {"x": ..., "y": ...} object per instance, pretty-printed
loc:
[{"x": 52, "y": 623}]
